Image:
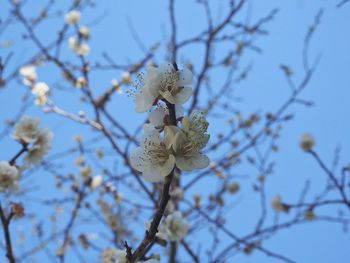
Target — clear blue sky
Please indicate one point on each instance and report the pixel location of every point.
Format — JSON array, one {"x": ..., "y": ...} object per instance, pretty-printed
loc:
[{"x": 264, "y": 90}]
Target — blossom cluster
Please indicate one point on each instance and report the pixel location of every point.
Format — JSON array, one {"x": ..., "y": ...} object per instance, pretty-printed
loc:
[
  {"x": 174, "y": 227},
  {"x": 76, "y": 44},
  {"x": 39, "y": 89},
  {"x": 158, "y": 153},
  {"x": 26, "y": 132}
]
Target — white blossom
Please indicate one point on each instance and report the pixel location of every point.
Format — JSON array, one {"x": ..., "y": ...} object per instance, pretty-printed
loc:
[
  {"x": 26, "y": 130},
  {"x": 153, "y": 158},
  {"x": 80, "y": 49},
  {"x": 187, "y": 152},
  {"x": 125, "y": 77},
  {"x": 80, "y": 82},
  {"x": 96, "y": 182},
  {"x": 84, "y": 32},
  {"x": 72, "y": 43},
  {"x": 278, "y": 206},
  {"x": 165, "y": 83},
  {"x": 29, "y": 74},
  {"x": 159, "y": 117},
  {"x": 41, "y": 147},
  {"x": 73, "y": 17},
  {"x": 116, "y": 86},
  {"x": 9, "y": 176},
  {"x": 174, "y": 227},
  {"x": 40, "y": 90},
  {"x": 306, "y": 142}
]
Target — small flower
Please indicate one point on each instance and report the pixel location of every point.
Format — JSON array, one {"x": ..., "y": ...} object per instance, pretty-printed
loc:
[
  {"x": 306, "y": 142},
  {"x": 84, "y": 32},
  {"x": 9, "y": 176},
  {"x": 187, "y": 153},
  {"x": 80, "y": 49},
  {"x": 164, "y": 83},
  {"x": 96, "y": 182},
  {"x": 309, "y": 215},
  {"x": 41, "y": 147},
  {"x": 159, "y": 117},
  {"x": 125, "y": 78},
  {"x": 278, "y": 206},
  {"x": 73, "y": 17},
  {"x": 72, "y": 43},
  {"x": 116, "y": 86},
  {"x": 29, "y": 74},
  {"x": 174, "y": 227},
  {"x": 26, "y": 130},
  {"x": 80, "y": 82},
  {"x": 40, "y": 90},
  {"x": 153, "y": 158}
]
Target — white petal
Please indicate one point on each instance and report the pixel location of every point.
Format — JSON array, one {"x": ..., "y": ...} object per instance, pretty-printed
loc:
[
  {"x": 143, "y": 101},
  {"x": 183, "y": 96},
  {"x": 150, "y": 136},
  {"x": 168, "y": 165},
  {"x": 152, "y": 73},
  {"x": 166, "y": 67},
  {"x": 183, "y": 164},
  {"x": 200, "y": 161},
  {"x": 185, "y": 77},
  {"x": 180, "y": 111},
  {"x": 169, "y": 135},
  {"x": 179, "y": 140},
  {"x": 156, "y": 117},
  {"x": 168, "y": 96},
  {"x": 153, "y": 174},
  {"x": 185, "y": 124},
  {"x": 137, "y": 160}
]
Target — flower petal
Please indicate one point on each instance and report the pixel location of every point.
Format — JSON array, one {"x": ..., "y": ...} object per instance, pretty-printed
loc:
[
  {"x": 180, "y": 111},
  {"x": 153, "y": 174},
  {"x": 183, "y": 96},
  {"x": 169, "y": 135},
  {"x": 184, "y": 164},
  {"x": 143, "y": 100},
  {"x": 137, "y": 160},
  {"x": 149, "y": 137},
  {"x": 168, "y": 165},
  {"x": 200, "y": 161},
  {"x": 185, "y": 77},
  {"x": 168, "y": 96},
  {"x": 156, "y": 117},
  {"x": 166, "y": 67}
]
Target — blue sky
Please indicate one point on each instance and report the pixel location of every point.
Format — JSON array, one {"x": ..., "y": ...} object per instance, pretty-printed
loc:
[{"x": 264, "y": 90}]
